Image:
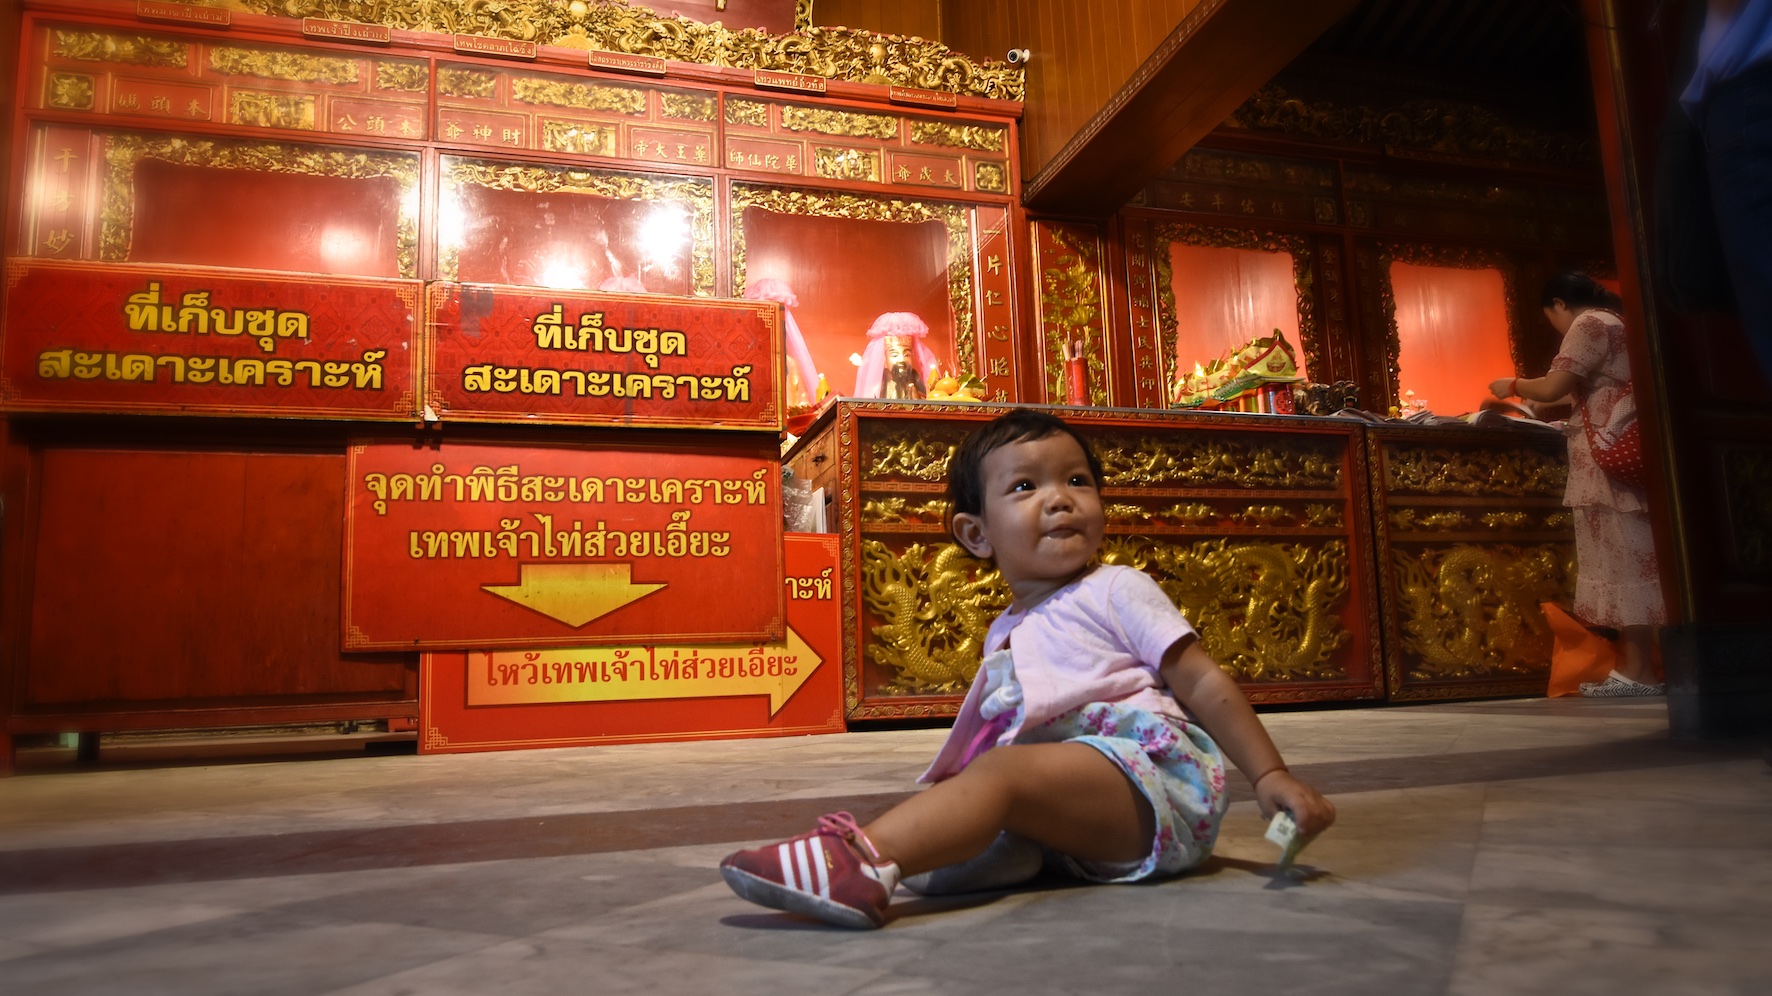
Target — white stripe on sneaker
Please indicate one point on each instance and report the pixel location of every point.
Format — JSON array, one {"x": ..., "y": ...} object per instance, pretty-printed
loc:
[
  {"x": 805, "y": 870},
  {"x": 819, "y": 862},
  {"x": 787, "y": 865}
]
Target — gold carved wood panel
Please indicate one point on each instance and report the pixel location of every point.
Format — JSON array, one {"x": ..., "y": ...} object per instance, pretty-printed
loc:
[
  {"x": 1257, "y": 529},
  {"x": 1148, "y": 350},
  {"x": 1072, "y": 312},
  {"x": 1473, "y": 538},
  {"x": 956, "y": 219},
  {"x": 1382, "y": 346},
  {"x": 1166, "y": 234},
  {"x": 694, "y": 194},
  {"x": 524, "y": 110},
  {"x": 205, "y": 80},
  {"x": 123, "y": 152},
  {"x": 854, "y": 145},
  {"x": 831, "y": 52}
]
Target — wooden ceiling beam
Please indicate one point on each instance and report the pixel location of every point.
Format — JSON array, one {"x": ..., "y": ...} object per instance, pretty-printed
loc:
[{"x": 1220, "y": 53}]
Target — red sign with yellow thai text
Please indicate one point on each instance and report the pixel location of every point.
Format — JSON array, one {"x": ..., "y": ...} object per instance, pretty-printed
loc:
[
  {"x": 183, "y": 340},
  {"x": 462, "y": 544},
  {"x": 505, "y": 354},
  {"x": 504, "y": 699}
]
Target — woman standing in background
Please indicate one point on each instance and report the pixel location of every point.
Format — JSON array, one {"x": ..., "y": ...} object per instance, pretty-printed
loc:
[{"x": 1618, "y": 581}]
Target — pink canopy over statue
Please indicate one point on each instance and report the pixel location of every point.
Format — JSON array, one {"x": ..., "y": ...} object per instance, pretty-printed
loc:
[
  {"x": 771, "y": 289},
  {"x": 870, "y": 380}
]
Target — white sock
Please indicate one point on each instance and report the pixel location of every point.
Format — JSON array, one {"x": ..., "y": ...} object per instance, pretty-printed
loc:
[{"x": 887, "y": 874}]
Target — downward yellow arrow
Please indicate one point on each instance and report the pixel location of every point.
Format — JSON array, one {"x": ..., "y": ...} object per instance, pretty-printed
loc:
[
  {"x": 625, "y": 674},
  {"x": 574, "y": 594}
]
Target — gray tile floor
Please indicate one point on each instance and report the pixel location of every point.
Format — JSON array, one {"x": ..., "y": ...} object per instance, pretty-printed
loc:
[{"x": 1525, "y": 846}]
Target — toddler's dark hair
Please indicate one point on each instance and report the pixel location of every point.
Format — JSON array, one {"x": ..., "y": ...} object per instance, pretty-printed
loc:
[
  {"x": 1577, "y": 290},
  {"x": 966, "y": 468}
]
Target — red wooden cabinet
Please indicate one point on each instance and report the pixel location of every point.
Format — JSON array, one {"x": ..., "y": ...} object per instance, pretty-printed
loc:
[{"x": 1258, "y": 527}]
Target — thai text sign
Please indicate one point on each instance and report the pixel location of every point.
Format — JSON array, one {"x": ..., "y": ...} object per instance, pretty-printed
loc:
[
  {"x": 621, "y": 674},
  {"x": 483, "y": 545},
  {"x": 522, "y": 353},
  {"x": 499, "y": 699},
  {"x": 175, "y": 340}
]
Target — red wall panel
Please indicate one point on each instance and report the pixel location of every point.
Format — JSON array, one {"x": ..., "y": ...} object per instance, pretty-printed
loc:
[{"x": 196, "y": 576}]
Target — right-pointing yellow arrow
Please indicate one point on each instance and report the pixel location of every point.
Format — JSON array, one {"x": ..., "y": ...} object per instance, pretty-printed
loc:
[
  {"x": 574, "y": 594},
  {"x": 622, "y": 674}
]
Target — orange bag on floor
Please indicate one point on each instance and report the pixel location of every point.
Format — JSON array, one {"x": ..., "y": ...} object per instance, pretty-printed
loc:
[{"x": 1578, "y": 655}]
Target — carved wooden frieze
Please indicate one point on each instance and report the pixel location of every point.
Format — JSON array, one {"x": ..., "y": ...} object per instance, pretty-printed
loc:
[
  {"x": 1473, "y": 539},
  {"x": 1258, "y": 529}
]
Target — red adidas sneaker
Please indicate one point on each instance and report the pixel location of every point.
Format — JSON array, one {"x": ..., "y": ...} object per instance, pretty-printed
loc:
[{"x": 831, "y": 873}]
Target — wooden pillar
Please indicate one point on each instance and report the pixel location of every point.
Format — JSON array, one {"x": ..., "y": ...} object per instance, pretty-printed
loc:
[{"x": 1706, "y": 408}]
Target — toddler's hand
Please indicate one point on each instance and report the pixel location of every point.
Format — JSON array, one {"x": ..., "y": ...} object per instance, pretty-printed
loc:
[{"x": 1310, "y": 810}]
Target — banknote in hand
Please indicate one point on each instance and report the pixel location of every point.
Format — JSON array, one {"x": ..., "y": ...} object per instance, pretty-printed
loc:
[{"x": 1284, "y": 832}]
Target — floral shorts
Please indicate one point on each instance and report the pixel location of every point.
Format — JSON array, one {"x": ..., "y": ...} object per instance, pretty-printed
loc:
[{"x": 1173, "y": 762}]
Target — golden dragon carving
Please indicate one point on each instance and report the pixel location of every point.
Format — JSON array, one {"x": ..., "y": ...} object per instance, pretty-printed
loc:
[
  {"x": 935, "y": 605},
  {"x": 1471, "y": 611}
]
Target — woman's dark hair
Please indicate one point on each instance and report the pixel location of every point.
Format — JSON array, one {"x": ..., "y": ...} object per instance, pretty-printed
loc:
[
  {"x": 966, "y": 466},
  {"x": 1577, "y": 290}
]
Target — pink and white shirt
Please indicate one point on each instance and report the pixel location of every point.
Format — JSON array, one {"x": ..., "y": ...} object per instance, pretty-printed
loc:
[{"x": 1100, "y": 638}]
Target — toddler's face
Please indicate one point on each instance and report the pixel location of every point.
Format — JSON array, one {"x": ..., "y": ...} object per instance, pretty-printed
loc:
[{"x": 1042, "y": 519}]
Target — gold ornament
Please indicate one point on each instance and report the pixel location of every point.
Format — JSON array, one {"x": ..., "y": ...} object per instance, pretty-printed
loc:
[
  {"x": 1473, "y": 612},
  {"x": 613, "y": 26},
  {"x": 1264, "y": 611},
  {"x": 122, "y": 49},
  {"x": 935, "y": 605},
  {"x": 270, "y": 64},
  {"x": 1439, "y": 470}
]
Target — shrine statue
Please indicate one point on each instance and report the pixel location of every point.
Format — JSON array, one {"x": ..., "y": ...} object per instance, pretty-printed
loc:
[
  {"x": 803, "y": 384},
  {"x": 896, "y": 363}
]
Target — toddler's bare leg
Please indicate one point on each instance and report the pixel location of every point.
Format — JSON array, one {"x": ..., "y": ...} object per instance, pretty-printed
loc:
[{"x": 1067, "y": 796}]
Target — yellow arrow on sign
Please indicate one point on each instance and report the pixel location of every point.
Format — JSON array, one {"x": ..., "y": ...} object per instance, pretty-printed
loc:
[
  {"x": 574, "y": 594},
  {"x": 625, "y": 674}
]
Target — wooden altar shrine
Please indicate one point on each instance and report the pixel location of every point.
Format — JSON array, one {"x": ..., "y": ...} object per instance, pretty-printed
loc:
[{"x": 304, "y": 314}]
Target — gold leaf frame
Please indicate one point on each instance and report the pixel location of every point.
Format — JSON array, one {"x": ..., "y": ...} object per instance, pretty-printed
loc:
[
  {"x": 1303, "y": 284},
  {"x": 1427, "y": 254},
  {"x": 612, "y": 25},
  {"x": 695, "y": 192},
  {"x": 123, "y": 151},
  {"x": 1071, "y": 305},
  {"x": 957, "y": 218}
]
